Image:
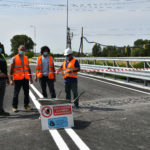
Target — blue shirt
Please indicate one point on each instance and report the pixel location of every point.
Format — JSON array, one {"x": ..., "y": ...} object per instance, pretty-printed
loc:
[
  {"x": 70, "y": 79},
  {"x": 45, "y": 65}
]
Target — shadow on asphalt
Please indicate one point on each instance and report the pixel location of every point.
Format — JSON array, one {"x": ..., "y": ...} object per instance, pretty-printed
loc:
[
  {"x": 92, "y": 108},
  {"x": 22, "y": 114},
  {"x": 80, "y": 124}
]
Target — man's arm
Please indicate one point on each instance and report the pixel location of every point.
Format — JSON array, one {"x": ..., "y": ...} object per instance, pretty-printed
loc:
[
  {"x": 31, "y": 81},
  {"x": 11, "y": 74}
]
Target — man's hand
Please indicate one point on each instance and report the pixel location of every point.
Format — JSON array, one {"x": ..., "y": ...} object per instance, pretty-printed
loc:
[
  {"x": 7, "y": 82},
  {"x": 11, "y": 82},
  {"x": 31, "y": 81},
  {"x": 3, "y": 75},
  {"x": 35, "y": 78},
  {"x": 57, "y": 71}
]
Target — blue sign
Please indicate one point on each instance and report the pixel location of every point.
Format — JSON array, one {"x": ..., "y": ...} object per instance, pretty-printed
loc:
[{"x": 58, "y": 122}]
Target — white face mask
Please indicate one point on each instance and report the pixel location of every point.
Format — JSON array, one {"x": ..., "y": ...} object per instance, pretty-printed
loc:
[
  {"x": 45, "y": 53},
  {"x": 21, "y": 52},
  {"x": 67, "y": 58}
]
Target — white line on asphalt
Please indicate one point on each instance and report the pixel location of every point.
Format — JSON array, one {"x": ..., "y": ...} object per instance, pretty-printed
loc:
[
  {"x": 55, "y": 134},
  {"x": 77, "y": 140},
  {"x": 36, "y": 103},
  {"x": 58, "y": 140},
  {"x": 117, "y": 85},
  {"x": 36, "y": 91}
]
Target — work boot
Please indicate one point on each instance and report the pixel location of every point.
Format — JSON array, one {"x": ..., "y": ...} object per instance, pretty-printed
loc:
[
  {"x": 3, "y": 113},
  {"x": 14, "y": 109},
  {"x": 28, "y": 107}
]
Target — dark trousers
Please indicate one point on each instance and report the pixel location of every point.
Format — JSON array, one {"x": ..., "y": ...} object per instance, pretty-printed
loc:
[
  {"x": 2, "y": 92},
  {"x": 17, "y": 86},
  {"x": 50, "y": 82},
  {"x": 71, "y": 86}
]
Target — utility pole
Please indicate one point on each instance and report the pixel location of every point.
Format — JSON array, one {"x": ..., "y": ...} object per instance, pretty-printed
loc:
[
  {"x": 68, "y": 34},
  {"x": 82, "y": 42}
]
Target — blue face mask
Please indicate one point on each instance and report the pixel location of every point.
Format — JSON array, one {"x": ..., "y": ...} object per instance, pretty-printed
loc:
[
  {"x": 0, "y": 50},
  {"x": 67, "y": 58},
  {"x": 22, "y": 52},
  {"x": 45, "y": 53}
]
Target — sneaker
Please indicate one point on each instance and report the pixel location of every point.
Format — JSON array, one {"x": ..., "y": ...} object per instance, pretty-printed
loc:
[
  {"x": 14, "y": 109},
  {"x": 3, "y": 113},
  {"x": 28, "y": 107}
]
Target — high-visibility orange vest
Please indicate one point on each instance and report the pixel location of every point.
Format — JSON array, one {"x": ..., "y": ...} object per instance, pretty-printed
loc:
[
  {"x": 20, "y": 72},
  {"x": 39, "y": 73},
  {"x": 70, "y": 66}
]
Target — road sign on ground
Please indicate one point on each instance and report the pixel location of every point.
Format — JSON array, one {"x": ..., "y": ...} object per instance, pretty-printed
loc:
[{"x": 56, "y": 116}]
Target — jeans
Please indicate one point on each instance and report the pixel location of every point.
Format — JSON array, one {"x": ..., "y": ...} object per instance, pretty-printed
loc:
[
  {"x": 2, "y": 92},
  {"x": 50, "y": 82},
  {"x": 74, "y": 87},
  {"x": 17, "y": 86}
]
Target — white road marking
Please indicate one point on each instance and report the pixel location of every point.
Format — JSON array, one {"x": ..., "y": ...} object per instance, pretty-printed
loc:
[
  {"x": 36, "y": 103},
  {"x": 117, "y": 85},
  {"x": 36, "y": 91},
  {"x": 77, "y": 140},
  {"x": 58, "y": 139},
  {"x": 55, "y": 134}
]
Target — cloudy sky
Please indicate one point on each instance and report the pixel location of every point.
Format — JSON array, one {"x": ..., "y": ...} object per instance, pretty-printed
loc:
[{"x": 109, "y": 22}]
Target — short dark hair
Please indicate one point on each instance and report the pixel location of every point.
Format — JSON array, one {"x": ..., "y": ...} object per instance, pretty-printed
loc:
[{"x": 45, "y": 48}]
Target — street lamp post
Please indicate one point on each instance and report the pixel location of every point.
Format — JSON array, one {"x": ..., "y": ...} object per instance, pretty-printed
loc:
[{"x": 34, "y": 28}]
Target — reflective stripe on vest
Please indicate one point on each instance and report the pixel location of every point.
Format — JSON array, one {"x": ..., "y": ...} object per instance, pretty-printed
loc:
[
  {"x": 70, "y": 67},
  {"x": 39, "y": 72},
  {"x": 6, "y": 62},
  {"x": 20, "y": 72}
]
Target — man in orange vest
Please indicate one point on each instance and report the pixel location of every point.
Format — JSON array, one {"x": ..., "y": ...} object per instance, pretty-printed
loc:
[
  {"x": 20, "y": 74},
  {"x": 45, "y": 71},
  {"x": 69, "y": 69}
]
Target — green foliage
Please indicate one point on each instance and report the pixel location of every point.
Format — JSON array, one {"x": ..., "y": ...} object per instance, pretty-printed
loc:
[
  {"x": 29, "y": 54},
  {"x": 139, "y": 65},
  {"x": 96, "y": 50},
  {"x": 141, "y": 48},
  {"x": 18, "y": 40}
]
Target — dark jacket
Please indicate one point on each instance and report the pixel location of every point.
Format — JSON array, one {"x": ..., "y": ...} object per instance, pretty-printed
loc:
[{"x": 3, "y": 65}]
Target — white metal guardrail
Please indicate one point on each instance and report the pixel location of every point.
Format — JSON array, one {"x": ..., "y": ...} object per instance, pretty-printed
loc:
[
  {"x": 133, "y": 73},
  {"x": 137, "y": 74}
]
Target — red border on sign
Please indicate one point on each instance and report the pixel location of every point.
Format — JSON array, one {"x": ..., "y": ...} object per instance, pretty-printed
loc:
[
  {"x": 43, "y": 109},
  {"x": 62, "y": 110}
]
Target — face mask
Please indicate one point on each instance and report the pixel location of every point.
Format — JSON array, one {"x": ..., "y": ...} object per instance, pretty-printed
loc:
[
  {"x": 0, "y": 50},
  {"x": 67, "y": 58},
  {"x": 45, "y": 53},
  {"x": 22, "y": 52}
]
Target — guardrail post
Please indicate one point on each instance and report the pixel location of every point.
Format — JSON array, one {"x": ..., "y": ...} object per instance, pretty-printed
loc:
[
  {"x": 104, "y": 63},
  {"x": 127, "y": 65},
  {"x": 114, "y": 64},
  {"x": 145, "y": 66}
]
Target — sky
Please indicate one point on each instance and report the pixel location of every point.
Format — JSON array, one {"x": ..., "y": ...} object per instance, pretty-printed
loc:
[{"x": 109, "y": 22}]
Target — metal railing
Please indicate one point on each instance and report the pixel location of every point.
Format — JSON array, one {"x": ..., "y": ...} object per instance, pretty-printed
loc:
[{"x": 115, "y": 69}]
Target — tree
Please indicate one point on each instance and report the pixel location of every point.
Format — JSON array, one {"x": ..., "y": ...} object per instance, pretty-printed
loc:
[
  {"x": 18, "y": 40},
  {"x": 96, "y": 50}
]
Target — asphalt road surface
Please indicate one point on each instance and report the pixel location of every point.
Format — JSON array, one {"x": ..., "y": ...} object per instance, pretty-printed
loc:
[{"x": 112, "y": 116}]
